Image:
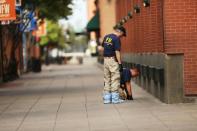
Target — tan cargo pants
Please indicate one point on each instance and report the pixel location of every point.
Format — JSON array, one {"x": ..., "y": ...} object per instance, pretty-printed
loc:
[{"x": 111, "y": 75}]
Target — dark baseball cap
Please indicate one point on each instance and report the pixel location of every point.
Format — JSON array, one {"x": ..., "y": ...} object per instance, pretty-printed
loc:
[{"x": 122, "y": 29}]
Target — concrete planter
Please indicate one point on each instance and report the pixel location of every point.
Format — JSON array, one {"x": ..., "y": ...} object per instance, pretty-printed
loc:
[{"x": 160, "y": 74}]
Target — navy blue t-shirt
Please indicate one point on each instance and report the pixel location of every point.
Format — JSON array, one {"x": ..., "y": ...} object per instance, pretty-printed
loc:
[
  {"x": 111, "y": 43},
  {"x": 125, "y": 76}
]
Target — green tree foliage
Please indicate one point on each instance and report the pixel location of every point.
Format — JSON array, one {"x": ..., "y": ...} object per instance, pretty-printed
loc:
[
  {"x": 50, "y": 9},
  {"x": 54, "y": 37}
]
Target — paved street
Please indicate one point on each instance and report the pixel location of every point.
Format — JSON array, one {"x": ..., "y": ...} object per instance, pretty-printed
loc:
[{"x": 68, "y": 98}]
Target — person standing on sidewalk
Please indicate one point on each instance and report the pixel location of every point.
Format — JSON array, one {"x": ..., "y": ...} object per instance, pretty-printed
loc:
[{"x": 112, "y": 65}]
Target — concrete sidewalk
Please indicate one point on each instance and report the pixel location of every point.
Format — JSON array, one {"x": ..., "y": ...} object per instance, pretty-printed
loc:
[{"x": 68, "y": 98}]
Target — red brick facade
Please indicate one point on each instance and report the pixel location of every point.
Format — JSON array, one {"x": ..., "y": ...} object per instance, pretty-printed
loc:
[
  {"x": 145, "y": 29},
  {"x": 167, "y": 26},
  {"x": 181, "y": 37}
]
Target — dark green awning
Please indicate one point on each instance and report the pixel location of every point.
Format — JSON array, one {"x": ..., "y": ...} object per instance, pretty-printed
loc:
[{"x": 94, "y": 23}]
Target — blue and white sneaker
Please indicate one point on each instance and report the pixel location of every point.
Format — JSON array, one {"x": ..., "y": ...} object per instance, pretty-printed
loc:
[
  {"x": 116, "y": 98},
  {"x": 107, "y": 97}
]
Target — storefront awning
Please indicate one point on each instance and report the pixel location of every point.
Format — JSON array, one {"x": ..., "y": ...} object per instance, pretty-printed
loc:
[{"x": 94, "y": 23}]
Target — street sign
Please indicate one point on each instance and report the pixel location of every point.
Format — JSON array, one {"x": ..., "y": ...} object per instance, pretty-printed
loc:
[{"x": 7, "y": 10}]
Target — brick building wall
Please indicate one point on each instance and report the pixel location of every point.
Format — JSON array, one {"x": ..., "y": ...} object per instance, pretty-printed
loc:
[
  {"x": 91, "y": 8},
  {"x": 180, "y": 18},
  {"x": 107, "y": 15},
  {"x": 145, "y": 30},
  {"x": 166, "y": 27}
]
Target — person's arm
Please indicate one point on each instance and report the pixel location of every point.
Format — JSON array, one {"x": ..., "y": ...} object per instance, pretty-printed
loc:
[
  {"x": 128, "y": 87},
  {"x": 101, "y": 48},
  {"x": 117, "y": 46},
  {"x": 118, "y": 57}
]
